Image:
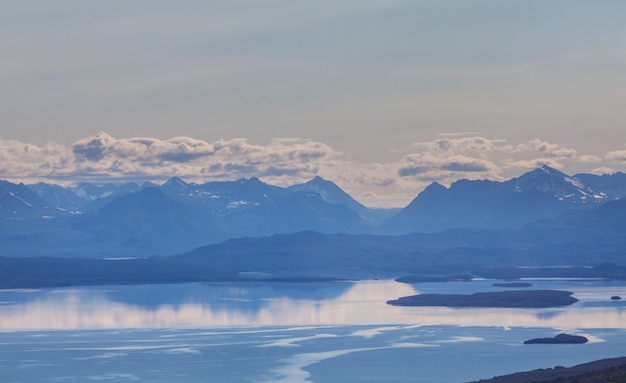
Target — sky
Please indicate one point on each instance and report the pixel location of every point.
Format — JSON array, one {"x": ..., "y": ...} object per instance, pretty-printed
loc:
[{"x": 381, "y": 97}]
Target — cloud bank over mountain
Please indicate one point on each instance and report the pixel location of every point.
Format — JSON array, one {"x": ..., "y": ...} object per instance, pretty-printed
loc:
[{"x": 286, "y": 161}]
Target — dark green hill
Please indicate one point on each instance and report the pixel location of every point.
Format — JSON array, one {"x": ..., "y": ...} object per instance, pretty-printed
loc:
[{"x": 601, "y": 371}]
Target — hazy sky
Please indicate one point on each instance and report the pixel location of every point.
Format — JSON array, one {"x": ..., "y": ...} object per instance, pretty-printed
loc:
[{"x": 382, "y": 97}]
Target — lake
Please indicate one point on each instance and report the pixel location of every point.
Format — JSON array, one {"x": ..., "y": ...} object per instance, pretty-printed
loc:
[{"x": 293, "y": 332}]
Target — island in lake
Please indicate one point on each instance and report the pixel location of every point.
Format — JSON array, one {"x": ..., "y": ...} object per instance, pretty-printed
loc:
[
  {"x": 513, "y": 284},
  {"x": 559, "y": 339},
  {"x": 499, "y": 299}
]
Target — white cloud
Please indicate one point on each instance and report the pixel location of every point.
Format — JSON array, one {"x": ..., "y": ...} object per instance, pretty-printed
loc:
[
  {"x": 590, "y": 159},
  {"x": 602, "y": 170},
  {"x": 446, "y": 160},
  {"x": 188, "y": 157},
  {"x": 547, "y": 149},
  {"x": 427, "y": 165},
  {"x": 617, "y": 155},
  {"x": 477, "y": 145},
  {"x": 25, "y": 160}
]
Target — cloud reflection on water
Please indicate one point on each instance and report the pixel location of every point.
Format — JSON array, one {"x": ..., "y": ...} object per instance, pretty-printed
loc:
[{"x": 361, "y": 303}]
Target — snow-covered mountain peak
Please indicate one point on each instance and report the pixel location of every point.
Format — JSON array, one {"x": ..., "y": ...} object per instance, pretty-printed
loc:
[{"x": 560, "y": 185}]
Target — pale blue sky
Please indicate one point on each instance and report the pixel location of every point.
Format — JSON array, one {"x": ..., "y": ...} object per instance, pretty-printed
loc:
[{"x": 376, "y": 82}]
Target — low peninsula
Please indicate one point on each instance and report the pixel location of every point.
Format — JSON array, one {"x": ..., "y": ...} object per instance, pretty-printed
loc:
[{"x": 498, "y": 299}]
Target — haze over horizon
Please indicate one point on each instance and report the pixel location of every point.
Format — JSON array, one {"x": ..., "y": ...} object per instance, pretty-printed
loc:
[{"x": 382, "y": 98}]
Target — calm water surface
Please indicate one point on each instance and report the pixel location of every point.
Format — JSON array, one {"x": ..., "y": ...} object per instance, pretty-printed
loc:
[{"x": 292, "y": 332}]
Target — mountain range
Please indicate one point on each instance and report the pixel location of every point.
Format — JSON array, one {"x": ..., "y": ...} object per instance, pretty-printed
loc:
[
  {"x": 542, "y": 193},
  {"x": 131, "y": 219}
]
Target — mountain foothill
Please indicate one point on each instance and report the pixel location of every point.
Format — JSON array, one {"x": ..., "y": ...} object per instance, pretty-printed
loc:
[{"x": 543, "y": 217}]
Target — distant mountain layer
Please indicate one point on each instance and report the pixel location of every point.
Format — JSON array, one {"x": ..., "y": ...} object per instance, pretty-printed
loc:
[
  {"x": 112, "y": 220},
  {"x": 310, "y": 256},
  {"x": 573, "y": 244},
  {"x": 305, "y": 255}
]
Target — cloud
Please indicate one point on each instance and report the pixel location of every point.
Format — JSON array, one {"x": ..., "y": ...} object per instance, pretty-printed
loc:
[
  {"x": 456, "y": 156},
  {"x": 602, "y": 170},
  {"x": 476, "y": 145},
  {"x": 446, "y": 160},
  {"x": 617, "y": 155},
  {"x": 92, "y": 148},
  {"x": 428, "y": 163},
  {"x": 589, "y": 159},
  {"x": 188, "y": 157},
  {"x": 24, "y": 160},
  {"x": 546, "y": 149},
  {"x": 472, "y": 165}
]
